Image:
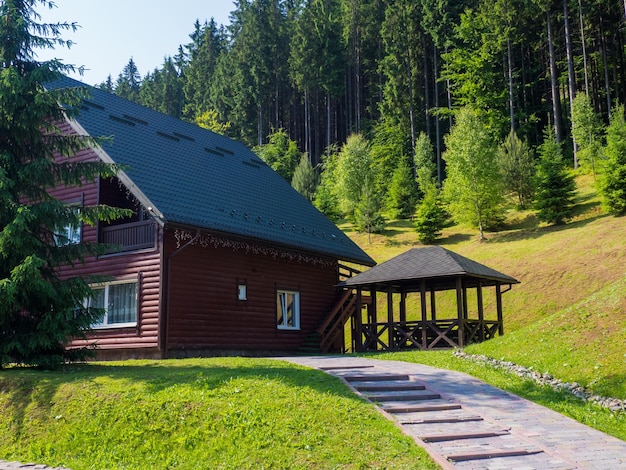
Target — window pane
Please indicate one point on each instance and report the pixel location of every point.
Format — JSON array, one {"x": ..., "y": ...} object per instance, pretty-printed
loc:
[
  {"x": 288, "y": 309},
  {"x": 98, "y": 302},
  {"x": 122, "y": 306}
]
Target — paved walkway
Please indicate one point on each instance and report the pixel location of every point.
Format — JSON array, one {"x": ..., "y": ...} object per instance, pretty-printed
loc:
[{"x": 467, "y": 424}]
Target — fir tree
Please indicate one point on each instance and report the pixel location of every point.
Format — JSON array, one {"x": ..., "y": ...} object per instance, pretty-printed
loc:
[
  {"x": 555, "y": 187},
  {"x": 402, "y": 193},
  {"x": 613, "y": 179},
  {"x": 305, "y": 178},
  {"x": 518, "y": 170},
  {"x": 39, "y": 310},
  {"x": 430, "y": 216},
  {"x": 367, "y": 214}
]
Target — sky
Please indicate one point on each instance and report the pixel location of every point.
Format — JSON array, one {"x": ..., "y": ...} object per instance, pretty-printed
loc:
[{"x": 112, "y": 31}]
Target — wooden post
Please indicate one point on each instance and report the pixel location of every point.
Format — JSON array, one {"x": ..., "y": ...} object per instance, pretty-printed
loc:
[
  {"x": 499, "y": 308},
  {"x": 481, "y": 315},
  {"x": 424, "y": 318},
  {"x": 403, "y": 306},
  {"x": 373, "y": 309},
  {"x": 459, "y": 309},
  {"x": 391, "y": 346},
  {"x": 358, "y": 322},
  {"x": 433, "y": 308},
  {"x": 465, "y": 309}
]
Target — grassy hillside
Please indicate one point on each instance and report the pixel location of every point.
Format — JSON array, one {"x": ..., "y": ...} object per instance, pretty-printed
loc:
[
  {"x": 218, "y": 413},
  {"x": 568, "y": 315}
]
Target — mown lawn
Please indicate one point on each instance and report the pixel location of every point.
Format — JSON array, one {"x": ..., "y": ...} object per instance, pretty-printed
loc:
[{"x": 218, "y": 413}]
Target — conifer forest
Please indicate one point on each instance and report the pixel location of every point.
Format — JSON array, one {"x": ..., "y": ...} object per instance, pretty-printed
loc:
[{"x": 301, "y": 77}]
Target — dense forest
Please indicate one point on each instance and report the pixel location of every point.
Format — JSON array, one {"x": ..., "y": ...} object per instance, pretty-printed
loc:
[{"x": 387, "y": 78}]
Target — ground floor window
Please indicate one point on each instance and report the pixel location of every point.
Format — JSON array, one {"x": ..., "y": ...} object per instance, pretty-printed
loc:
[
  {"x": 119, "y": 303},
  {"x": 288, "y": 310}
]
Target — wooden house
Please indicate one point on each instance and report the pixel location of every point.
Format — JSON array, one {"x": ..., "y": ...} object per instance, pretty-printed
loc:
[{"x": 221, "y": 255}]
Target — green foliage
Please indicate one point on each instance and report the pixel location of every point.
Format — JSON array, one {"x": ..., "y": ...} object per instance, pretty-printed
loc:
[
  {"x": 39, "y": 310},
  {"x": 402, "y": 192},
  {"x": 305, "y": 178},
  {"x": 613, "y": 179},
  {"x": 222, "y": 413},
  {"x": 326, "y": 199},
  {"x": 128, "y": 82},
  {"x": 555, "y": 186},
  {"x": 209, "y": 120},
  {"x": 586, "y": 130},
  {"x": 354, "y": 167},
  {"x": 430, "y": 216},
  {"x": 367, "y": 214},
  {"x": 518, "y": 169},
  {"x": 281, "y": 153},
  {"x": 474, "y": 188}
]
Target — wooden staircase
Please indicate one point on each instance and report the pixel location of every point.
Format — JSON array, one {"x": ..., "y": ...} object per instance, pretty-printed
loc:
[{"x": 332, "y": 327}]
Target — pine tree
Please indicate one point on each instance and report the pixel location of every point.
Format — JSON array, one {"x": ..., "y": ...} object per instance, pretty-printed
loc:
[
  {"x": 555, "y": 187},
  {"x": 39, "y": 310},
  {"x": 613, "y": 178}
]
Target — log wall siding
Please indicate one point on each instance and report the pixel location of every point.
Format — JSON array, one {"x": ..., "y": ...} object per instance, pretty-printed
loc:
[
  {"x": 144, "y": 266},
  {"x": 204, "y": 312}
]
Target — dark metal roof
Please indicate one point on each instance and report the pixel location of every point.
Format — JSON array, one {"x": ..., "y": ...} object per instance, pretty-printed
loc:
[
  {"x": 438, "y": 266},
  {"x": 193, "y": 177}
]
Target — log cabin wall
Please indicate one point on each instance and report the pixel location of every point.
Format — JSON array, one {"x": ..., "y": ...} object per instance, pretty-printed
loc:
[
  {"x": 144, "y": 266},
  {"x": 206, "y": 315}
]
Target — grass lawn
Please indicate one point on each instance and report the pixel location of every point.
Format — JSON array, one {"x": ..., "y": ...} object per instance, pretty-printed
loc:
[{"x": 217, "y": 413}]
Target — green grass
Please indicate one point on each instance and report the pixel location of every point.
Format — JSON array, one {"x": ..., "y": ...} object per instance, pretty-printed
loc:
[{"x": 197, "y": 413}]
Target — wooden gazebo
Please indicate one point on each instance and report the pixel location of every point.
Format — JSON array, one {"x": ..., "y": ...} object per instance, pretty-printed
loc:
[{"x": 425, "y": 271}]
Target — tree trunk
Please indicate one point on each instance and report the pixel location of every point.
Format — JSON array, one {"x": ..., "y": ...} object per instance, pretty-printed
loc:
[
  {"x": 511, "y": 103},
  {"x": 556, "y": 102},
  {"x": 571, "y": 78},
  {"x": 584, "y": 47},
  {"x": 437, "y": 127},
  {"x": 427, "y": 89},
  {"x": 607, "y": 84}
]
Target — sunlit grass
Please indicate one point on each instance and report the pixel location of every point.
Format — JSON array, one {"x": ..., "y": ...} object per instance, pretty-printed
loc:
[{"x": 222, "y": 413}]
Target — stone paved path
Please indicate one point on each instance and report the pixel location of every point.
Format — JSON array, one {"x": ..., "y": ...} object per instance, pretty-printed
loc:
[{"x": 467, "y": 424}]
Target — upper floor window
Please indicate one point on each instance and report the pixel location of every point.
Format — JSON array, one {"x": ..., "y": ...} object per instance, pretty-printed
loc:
[{"x": 288, "y": 310}]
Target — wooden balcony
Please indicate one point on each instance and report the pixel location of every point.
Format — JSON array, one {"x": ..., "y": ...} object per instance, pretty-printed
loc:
[{"x": 129, "y": 237}]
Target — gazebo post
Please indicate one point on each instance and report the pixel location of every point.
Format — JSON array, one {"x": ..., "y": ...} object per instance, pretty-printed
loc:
[
  {"x": 424, "y": 319},
  {"x": 373, "y": 311},
  {"x": 433, "y": 309},
  {"x": 390, "y": 316},
  {"x": 358, "y": 322},
  {"x": 460, "y": 311},
  {"x": 499, "y": 309},
  {"x": 402, "y": 306},
  {"x": 465, "y": 309},
  {"x": 481, "y": 315}
]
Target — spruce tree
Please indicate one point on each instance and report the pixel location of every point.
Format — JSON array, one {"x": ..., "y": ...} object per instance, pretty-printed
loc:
[
  {"x": 613, "y": 179},
  {"x": 305, "y": 178},
  {"x": 430, "y": 216},
  {"x": 555, "y": 186},
  {"x": 402, "y": 194},
  {"x": 39, "y": 310}
]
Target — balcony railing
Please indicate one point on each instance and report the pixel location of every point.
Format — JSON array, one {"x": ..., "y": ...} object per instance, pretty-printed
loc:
[{"x": 129, "y": 237}]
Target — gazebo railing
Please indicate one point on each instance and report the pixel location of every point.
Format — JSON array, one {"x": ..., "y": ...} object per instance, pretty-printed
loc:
[{"x": 432, "y": 334}]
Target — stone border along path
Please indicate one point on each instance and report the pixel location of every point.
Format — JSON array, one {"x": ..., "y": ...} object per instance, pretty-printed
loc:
[{"x": 464, "y": 423}]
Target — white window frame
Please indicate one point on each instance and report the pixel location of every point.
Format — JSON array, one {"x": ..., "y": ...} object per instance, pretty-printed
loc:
[
  {"x": 104, "y": 324},
  {"x": 282, "y": 309}
]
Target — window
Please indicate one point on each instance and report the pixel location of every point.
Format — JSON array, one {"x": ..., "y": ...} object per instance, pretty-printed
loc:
[
  {"x": 68, "y": 235},
  {"x": 288, "y": 310},
  {"x": 119, "y": 302}
]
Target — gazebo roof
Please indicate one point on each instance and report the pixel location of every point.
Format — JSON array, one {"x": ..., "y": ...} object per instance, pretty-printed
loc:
[{"x": 440, "y": 268}]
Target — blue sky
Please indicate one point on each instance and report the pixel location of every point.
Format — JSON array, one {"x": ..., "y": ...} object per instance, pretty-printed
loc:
[{"x": 113, "y": 31}]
